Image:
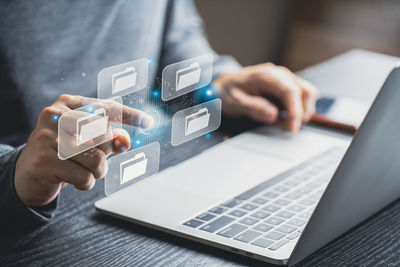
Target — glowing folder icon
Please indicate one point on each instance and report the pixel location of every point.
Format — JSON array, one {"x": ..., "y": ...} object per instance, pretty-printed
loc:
[
  {"x": 188, "y": 76},
  {"x": 133, "y": 168},
  {"x": 91, "y": 126},
  {"x": 124, "y": 79},
  {"x": 197, "y": 121}
]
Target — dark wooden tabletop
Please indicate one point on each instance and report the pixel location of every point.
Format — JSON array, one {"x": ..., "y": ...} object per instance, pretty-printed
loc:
[{"x": 81, "y": 236}]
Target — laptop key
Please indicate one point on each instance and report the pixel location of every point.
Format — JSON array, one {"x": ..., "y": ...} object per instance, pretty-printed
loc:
[
  {"x": 281, "y": 202},
  {"x": 217, "y": 210},
  {"x": 307, "y": 202},
  {"x": 232, "y": 230},
  {"x": 285, "y": 214},
  {"x": 274, "y": 220},
  {"x": 262, "y": 227},
  {"x": 293, "y": 235},
  {"x": 217, "y": 224},
  {"x": 304, "y": 190},
  {"x": 292, "y": 183},
  {"x": 271, "y": 208},
  {"x": 287, "y": 229},
  {"x": 296, "y": 208},
  {"x": 260, "y": 201},
  {"x": 296, "y": 222},
  {"x": 274, "y": 235},
  {"x": 206, "y": 216},
  {"x": 281, "y": 189},
  {"x": 249, "y": 221},
  {"x": 249, "y": 206},
  {"x": 193, "y": 223},
  {"x": 260, "y": 214},
  {"x": 294, "y": 195},
  {"x": 232, "y": 203},
  {"x": 270, "y": 195},
  {"x": 238, "y": 213},
  {"x": 248, "y": 236},
  {"x": 313, "y": 185},
  {"x": 279, "y": 244},
  {"x": 262, "y": 242}
]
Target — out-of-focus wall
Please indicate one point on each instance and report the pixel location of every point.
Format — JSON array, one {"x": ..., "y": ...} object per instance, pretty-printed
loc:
[
  {"x": 322, "y": 29},
  {"x": 299, "y": 33},
  {"x": 253, "y": 31}
]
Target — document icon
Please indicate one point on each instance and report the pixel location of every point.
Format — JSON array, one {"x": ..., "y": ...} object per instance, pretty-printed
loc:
[
  {"x": 91, "y": 126},
  {"x": 133, "y": 168},
  {"x": 187, "y": 76},
  {"x": 197, "y": 121},
  {"x": 124, "y": 79}
]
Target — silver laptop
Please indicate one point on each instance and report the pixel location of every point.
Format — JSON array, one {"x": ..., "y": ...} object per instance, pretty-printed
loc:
[{"x": 272, "y": 195}]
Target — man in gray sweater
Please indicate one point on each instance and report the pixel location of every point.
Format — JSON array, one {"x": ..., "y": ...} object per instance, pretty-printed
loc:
[{"x": 50, "y": 54}]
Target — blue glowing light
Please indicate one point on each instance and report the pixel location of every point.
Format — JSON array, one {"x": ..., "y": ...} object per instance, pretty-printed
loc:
[
  {"x": 209, "y": 92},
  {"x": 155, "y": 93},
  {"x": 137, "y": 142},
  {"x": 55, "y": 117},
  {"x": 90, "y": 109},
  {"x": 62, "y": 78},
  {"x": 150, "y": 60},
  {"x": 208, "y": 136}
]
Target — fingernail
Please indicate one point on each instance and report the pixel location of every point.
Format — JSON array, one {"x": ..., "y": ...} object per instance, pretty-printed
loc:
[{"x": 146, "y": 122}]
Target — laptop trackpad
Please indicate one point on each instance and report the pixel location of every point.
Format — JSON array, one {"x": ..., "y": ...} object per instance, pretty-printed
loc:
[{"x": 243, "y": 162}]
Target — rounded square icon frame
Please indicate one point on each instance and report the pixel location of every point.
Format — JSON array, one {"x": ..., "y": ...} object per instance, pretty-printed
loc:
[
  {"x": 139, "y": 163},
  {"x": 74, "y": 133},
  {"x": 192, "y": 122},
  {"x": 123, "y": 79},
  {"x": 186, "y": 76}
]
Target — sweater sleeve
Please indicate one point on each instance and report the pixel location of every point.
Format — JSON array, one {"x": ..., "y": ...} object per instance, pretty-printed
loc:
[{"x": 13, "y": 211}]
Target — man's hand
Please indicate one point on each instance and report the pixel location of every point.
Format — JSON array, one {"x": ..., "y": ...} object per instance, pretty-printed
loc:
[
  {"x": 249, "y": 91},
  {"x": 40, "y": 174}
]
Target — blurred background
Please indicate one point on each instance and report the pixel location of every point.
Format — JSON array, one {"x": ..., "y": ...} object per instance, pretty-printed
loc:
[{"x": 299, "y": 33}]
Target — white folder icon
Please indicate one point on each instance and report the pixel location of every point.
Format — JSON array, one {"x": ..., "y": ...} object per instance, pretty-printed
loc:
[
  {"x": 133, "y": 168},
  {"x": 188, "y": 76},
  {"x": 124, "y": 79},
  {"x": 91, "y": 126},
  {"x": 197, "y": 121}
]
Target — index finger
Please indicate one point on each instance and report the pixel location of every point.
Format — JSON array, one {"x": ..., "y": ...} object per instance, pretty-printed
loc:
[{"x": 130, "y": 116}]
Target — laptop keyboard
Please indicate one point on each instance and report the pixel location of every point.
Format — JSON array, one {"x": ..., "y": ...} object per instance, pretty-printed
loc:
[{"x": 274, "y": 212}]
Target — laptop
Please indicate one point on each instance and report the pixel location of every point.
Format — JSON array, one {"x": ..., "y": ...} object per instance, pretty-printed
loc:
[{"x": 272, "y": 195}]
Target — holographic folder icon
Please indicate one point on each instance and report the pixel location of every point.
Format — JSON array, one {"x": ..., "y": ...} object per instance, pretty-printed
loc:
[
  {"x": 197, "y": 121},
  {"x": 124, "y": 80},
  {"x": 188, "y": 76},
  {"x": 133, "y": 168},
  {"x": 91, "y": 126}
]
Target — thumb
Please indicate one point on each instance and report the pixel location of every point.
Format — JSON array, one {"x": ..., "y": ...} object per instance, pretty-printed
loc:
[{"x": 121, "y": 141}]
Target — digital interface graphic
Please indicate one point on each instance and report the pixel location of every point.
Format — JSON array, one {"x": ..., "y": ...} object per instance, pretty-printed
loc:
[
  {"x": 131, "y": 167},
  {"x": 88, "y": 126},
  {"x": 186, "y": 76},
  {"x": 123, "y": 79},
  {"x": 195, "y": 121},
  {"x": 192, "y": 110}
]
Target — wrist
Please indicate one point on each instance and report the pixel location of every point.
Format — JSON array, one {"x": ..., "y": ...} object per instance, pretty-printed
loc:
[{"x": 29, "y": 190}]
